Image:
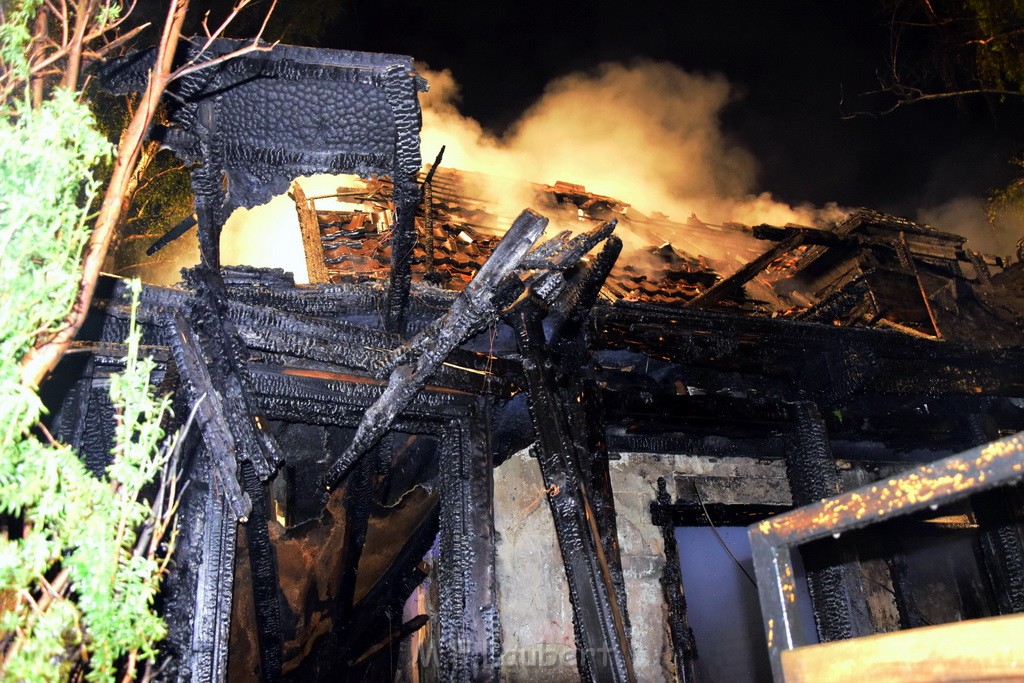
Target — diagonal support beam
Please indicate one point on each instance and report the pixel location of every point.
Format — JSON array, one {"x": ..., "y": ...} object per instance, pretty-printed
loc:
[
  {"x": 420, "y": 358},
  {"x": 210, "y": 415},
  {"x": 734, "y": 283}
]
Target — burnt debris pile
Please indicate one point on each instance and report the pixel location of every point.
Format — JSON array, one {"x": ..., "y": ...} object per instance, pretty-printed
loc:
[{"x": 346, "y": 432}]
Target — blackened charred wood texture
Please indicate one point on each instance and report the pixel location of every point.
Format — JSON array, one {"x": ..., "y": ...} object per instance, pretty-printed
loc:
[
  {"x": 263, "y": 567},
  {"x": 289, "y": 327},
  {"x": 469, "y": 633},
  {"x": 246, "y": 123},
  {"x": 834, "y": 578},
  {"x": 778, "y": 354},
  {"x": 569, "y": 347},
  {"x": 210, "y": 414},
  {"x": 215, "y": 382},
  {"x": 215, "y": 528},
  {"x": 587, "y": 427},
  {"x": 228, "y": 369},
  {"x": 602, "y": 647},
  {"x": 415, "y": 362},
  {"x": 427, "y": 200},
  {"x": 173, "y": 234},
  {"x": 999, "y": 515},
  {"x": 580, "y": 300},
  {"x": 403, "y": 243},
  {"x": 734, "y": 283},
  {"x": 72, "y": 418},
  {"x": 684, "y": 646}
]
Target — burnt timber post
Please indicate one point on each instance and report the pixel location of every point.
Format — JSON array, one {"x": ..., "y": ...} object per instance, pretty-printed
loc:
[
  {"x": 684, "y": 646},
  {"x": 999, "y": 516},
  {"x": 469, "y": 639},
  {"x": 602, "y": 648},
  {"x": 833, "y": 574}
]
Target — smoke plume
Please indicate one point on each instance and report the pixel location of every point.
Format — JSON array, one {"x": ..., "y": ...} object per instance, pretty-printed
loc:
[
  {"x": 967, "y": 216},
  {"x": 648, "y": 134}
]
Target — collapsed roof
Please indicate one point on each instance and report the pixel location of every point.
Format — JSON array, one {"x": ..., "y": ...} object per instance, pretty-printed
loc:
[{"x": 346, "y": 426}]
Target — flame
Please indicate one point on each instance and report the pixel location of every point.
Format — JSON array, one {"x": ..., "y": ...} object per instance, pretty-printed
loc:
[{"x": 647, "y": 134}]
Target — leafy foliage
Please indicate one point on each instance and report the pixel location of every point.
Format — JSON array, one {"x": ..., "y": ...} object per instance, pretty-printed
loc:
[
  {"x": 15, "y": 35},
  {"x": 77, "y": 578},
  {"x": 960, "y": 50},
  {"x": 43, "y": 227},
  {"x": 998, "y": 41}
]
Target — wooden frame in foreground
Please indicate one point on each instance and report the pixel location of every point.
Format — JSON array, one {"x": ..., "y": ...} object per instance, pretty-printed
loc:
[{"x": 772, "y": 541}]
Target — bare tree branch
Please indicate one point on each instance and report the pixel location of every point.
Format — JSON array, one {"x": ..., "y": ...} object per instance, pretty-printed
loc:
[
  {"x": 194, "y": 64},
  {"x": 42, "y": 359}
]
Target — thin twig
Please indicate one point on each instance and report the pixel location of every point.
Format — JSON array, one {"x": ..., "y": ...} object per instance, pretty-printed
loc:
[{"x": 194, "y": 65}]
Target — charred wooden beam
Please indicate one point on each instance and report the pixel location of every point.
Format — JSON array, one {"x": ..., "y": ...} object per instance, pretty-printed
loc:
[
  {"x": 222, "y": 437},
  {"x": 214, "y": 529},
  {"x": 173, "y": 234},
  {"x": 779, "y": 351},
  {"x": 583, "y": 404},
  {"x": 684, "y": 647},
  {"x": 403, "y": 243},
  {"x": 417, "y": 360},
  {"x": 829, "y": 238},
  {"x": 563, "y": 252},
  {"x": 734, "y": 283},
  {"x": 211, "y": 416},
  {"x": 400, "y": 91},
  {"x": 427, "y": 199},
  {"x": 70, "y": 421},
  {"x": 361, "y": 349},
  {"x": 228, "y": 369},
  {"x": 603, "y": 651},
  {"x": 263, "y": 567},
  {"x": 318, "y": 397},
  {"x": 309, "y": 340},
  {"x": 1000, "y": 515},
  {"x": 833, "y": 574},
  {"x": 308, "y": 337},
  {"x": 839, "y": 304},
  {"x": 907, "y": 261},
  {"x": 580, "y": 300},
  {"x": 586, "y": 423},
  {"x": 469, "y": 634},
  {"x": 814, "y": 236}
]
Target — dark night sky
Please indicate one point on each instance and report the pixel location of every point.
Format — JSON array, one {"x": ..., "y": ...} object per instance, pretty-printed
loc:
[{"x": 790, "y": 61}]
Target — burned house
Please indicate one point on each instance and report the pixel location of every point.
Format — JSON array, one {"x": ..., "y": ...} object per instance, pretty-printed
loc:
[{"x": 464, "y": 449}]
